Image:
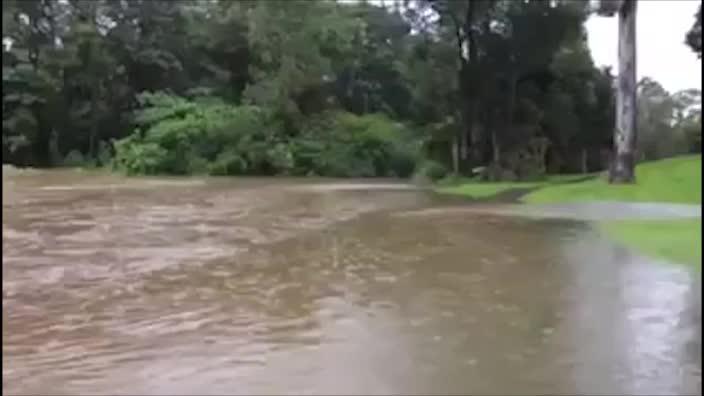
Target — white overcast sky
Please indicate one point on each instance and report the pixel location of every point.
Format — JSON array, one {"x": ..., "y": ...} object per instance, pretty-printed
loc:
[{"x": 661, "y": 53}]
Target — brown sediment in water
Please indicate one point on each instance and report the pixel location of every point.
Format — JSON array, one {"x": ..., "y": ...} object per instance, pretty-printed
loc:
[{"x": 269, "y": 286}]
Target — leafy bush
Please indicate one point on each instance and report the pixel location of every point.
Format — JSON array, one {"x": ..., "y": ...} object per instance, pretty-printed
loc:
[
  {"x": 74, "y": 159},
  {"x": 198, "y": 137},
  {"x": 209, "y": 136},
  {"x": 432, "y": 170},
  {"x": 77, "y": 159},
  {"x": 228, "y": 162},
  {"x": 346, "y": 145},
  {"x": 104, "y": 157},
  {"x": 139, "y": 158}
]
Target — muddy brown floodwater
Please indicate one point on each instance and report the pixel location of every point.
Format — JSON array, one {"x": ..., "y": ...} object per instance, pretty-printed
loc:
[{"x": 285, "y": 286}]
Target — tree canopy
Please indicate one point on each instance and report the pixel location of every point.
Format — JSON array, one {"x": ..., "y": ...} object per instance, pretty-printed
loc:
[
  {"x": 694, "y": 35},
  {"x": 317, "y": 87}
]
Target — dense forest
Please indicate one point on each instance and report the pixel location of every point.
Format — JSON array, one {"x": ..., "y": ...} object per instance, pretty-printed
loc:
[{"x": 333, "y": 88}]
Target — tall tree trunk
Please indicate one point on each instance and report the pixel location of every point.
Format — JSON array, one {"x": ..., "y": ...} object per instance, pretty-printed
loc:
[
  {"x": 92, "y": 141},
  {"x": 463, "y": 75},
  {"x": 508, "y": 124},
  {"x": 95, "y": 122},
  {"x": 625, "y": 134},
  {"x": 454, "y": 148},
  {"x": 41, "y": 145},
  {"x": 496, "y": 149},
  {"x": 469, "y": 82},
  {"x": 54, "y": 153},
  {"x": 485, "y": 147},
  {"x": 585, "y": 168},
  {"x": 473, "y": 111},
  {"x": 464, "y": 147}
]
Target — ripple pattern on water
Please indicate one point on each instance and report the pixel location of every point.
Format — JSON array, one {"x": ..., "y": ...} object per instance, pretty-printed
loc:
[{"x": 220, "y": 286}]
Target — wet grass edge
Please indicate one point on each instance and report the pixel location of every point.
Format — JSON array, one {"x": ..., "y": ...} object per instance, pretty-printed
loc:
[
  {"x": 676, "y": 241},
  {"x": 672, "y": 180}
]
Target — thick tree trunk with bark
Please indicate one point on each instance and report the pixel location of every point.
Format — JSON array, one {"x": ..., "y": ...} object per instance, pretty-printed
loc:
[
  {"x": 508, "y": 123},
  {"x": 472, "y": 132},
  {"x": 496, "y": 148},
  {"x": 625, "y": 134},
  {"x": 455, "y": 152},
  {"x": 464, "y": 147},
  {"x": 470, "y": 80}
]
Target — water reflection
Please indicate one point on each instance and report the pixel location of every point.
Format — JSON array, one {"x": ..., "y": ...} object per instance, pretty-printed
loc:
[{"x": 651, "y": 312}]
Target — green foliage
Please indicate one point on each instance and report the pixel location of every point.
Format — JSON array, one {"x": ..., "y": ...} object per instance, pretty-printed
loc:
[
  {"x": 676, "y": 180},
  {"x": 678, "y": 241},
  {"x": 186, "y": 137},
  {"x": 104, "y": 157},
  {"x": 693, "y": 37},
  {"x": 313, "y": 87},
  {"x": 669, "y": 125},
  {"x": 477, "y": 189},
  {"x": 138, "y": 158},
  {"x": 347, "y": 145},
  {"x": 75, "y": 159},
  {"x": 432, "y": 170},
  {"x": 198, "y": 137}
]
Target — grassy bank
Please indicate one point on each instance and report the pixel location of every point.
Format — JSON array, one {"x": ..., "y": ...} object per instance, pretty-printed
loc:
[
  {"x": 479, "y": 190},
  {"x": 673, "y": 180},
  {"x": 677, "y": 180},
  {"x": 678, "y": 241}
]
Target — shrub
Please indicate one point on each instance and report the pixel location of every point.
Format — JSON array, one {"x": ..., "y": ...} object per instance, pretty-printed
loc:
[
  {"x": 197, "y": 137},
  {"x": 77, "y": 159},
  {"x": 209, "y": 136},
  {"x": 74, "y": 158},
  {"x": 138, "y": 158},
  {"x": 104, "y": 154},
  {"x": 432, "y": 170},
  {"x": 228, "y": 162},
  {"x": 346, "y": 145}
]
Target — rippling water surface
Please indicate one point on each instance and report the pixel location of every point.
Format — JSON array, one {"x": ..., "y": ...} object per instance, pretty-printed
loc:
[{"x": 285, "y": 286}]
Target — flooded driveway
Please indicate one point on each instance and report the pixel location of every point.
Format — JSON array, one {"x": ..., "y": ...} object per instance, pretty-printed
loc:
[{"x": 285, "y": 286}]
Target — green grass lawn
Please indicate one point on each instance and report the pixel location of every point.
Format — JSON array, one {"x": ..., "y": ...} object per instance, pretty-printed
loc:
[
  {"x": 673, "y": 180},
  {"x": 677, "y": 180},
  {"x": 477, "y": 190},
  {"x": 677, "y": 241}
]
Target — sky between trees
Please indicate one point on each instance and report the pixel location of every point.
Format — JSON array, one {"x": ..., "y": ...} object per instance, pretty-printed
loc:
[{"x": 662, "y": 53}]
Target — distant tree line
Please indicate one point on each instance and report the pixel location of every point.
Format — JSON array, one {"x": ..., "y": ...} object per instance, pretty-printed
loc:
[{"x": 320, "y": 88}]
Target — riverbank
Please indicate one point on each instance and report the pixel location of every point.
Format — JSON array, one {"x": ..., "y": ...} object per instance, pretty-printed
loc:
[{"x": 673, "y": 180}]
